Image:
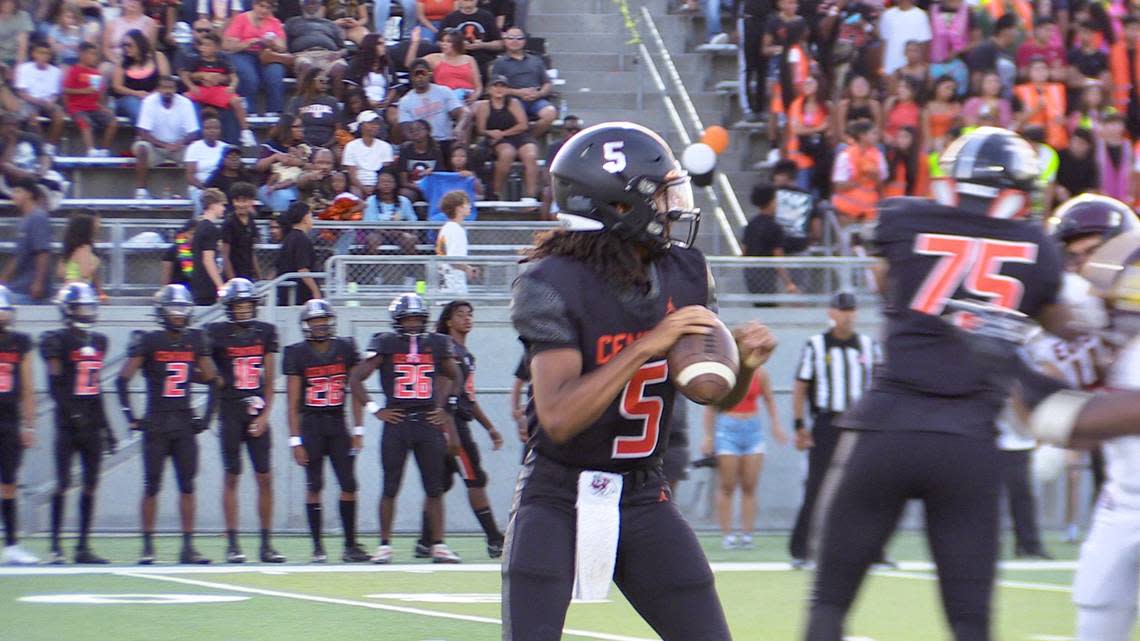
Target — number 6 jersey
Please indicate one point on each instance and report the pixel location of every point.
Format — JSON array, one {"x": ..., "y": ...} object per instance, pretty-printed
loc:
[
  {"x": 169, "y": 364},
  {"x": 930, "y": 381},
  {"x": 409, "y": 369}
]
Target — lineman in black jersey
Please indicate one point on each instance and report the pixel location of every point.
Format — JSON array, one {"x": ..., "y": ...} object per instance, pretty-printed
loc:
[
  {"x": 74, "y": 357},
  {"x": 17, "y": 424},
  {"x": 926, "y": 428},
  {"x": 411, "y": 362},
  {"x": 456, "y": 321},
  {"x": 317, "y": 372},
  {"x": 245, "y": 352},
  {"x": 170, "y": 358},
  {"x": 599, "y": 308}
]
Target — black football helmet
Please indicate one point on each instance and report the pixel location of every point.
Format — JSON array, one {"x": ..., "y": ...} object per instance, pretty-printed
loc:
[
  {"x": 408, "y": 306},
  {"x": 174, "y": 307},
  {"x": 78, "y": 305},
  {"x": 623, "y": 178},
  {"x": 314, "y": 309},
  {"x": 7, "y": 308},
  {"x": 991, "y": 171},
  {"x": 235, "y": 292},
  {"x": 1092, "y": 215}
]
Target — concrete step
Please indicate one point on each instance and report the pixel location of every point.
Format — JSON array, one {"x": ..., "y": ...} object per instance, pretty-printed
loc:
[
  {"x": 606, "y": 81},
  {"x": 578, "y": 61},
  {"x": 607, "y": 42},
  {"x": 551, "y": 23},
  {"x": 578, "y": 7}
]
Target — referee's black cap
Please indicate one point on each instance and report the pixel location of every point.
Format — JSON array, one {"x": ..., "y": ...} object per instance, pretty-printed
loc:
[{"x": 844, "y": 301}]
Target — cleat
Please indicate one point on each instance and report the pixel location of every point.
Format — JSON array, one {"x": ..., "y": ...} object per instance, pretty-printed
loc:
[
  {"x": 383, "y": 555},
  {"x": 441, "y": 554},
  {"x": 190, "y": 556},
  {"x": 235, "y": 555},
  {"x": 422, "y": 551},
  {"x": 495, "y": 549},
  {"x": 84, "y": 556},
  {"x": 269, "y": 555},
  {"x": 885, "y": 563},
  {"x": 802, "y": 564},
  {"x": 147, "y": 557},
  {"x": 745, "y": 542},
  {"x": 729, "y": 542},
  {"x": 355, "y": 554},
  {"x": 16, "y": 555},
  {"x": 319, "y": 555},
  {"x": 57, "y": 557},
  {"x": 1037, "y": 552}
]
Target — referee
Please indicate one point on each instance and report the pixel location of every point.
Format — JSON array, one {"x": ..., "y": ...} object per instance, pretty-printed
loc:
[{"x": 835, "y": 369}]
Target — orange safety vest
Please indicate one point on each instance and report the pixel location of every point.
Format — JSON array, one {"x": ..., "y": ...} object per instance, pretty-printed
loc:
[
  {"x": 791, "y": 140},
  {"x": 897, "y": 186},
  {"x": 860, "y": 201},
  {"x": 1054, "y": 95},
  {"x": 1122, "y": 80},
  {"x": 1024, "y": 11}
]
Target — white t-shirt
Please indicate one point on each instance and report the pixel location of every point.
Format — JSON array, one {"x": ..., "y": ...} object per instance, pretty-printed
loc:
[
  {"x": 206, "y": 156},
  {"x": 367, "y": 160},
  {"x": 41, "y": 84},
  {"x": 896, "y": 28},
  {"x": 168, "y": 125},
  {"x": 452, "y": 240}
]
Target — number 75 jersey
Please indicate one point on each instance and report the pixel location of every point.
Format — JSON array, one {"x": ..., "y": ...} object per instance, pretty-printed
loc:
[
  {"x": 934, "y": 254},
  {"x": 409, "y": 371},
  {"x": 169, "y": 365}
]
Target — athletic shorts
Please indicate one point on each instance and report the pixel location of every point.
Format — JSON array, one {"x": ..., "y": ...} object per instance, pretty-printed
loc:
[{"x": 738, "y": 436}]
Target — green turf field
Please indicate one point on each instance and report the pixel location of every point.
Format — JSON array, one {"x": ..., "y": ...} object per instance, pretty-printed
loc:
[{"x": 414, "y": 601}]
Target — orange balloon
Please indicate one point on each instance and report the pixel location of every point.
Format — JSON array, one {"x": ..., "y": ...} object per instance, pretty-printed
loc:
[{"x": 716, "y": 137}]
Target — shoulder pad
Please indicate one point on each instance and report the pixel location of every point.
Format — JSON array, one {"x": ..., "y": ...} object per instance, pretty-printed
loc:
[
  {"x": 51, "y": 345},
  {"x": 540, "y": 313}
]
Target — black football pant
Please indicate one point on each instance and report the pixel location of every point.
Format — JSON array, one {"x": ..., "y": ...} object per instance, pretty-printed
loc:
[
  {"x": 1022, "y": 507},
  {"x": 824, "y": 438},
  {"x": 169, "y": 435},
  {"x": 660, "y": 568},
  {"x": 425, "y": 441},
  {"x": 235, "y": 420},
  {"x": 325, "y": 435},
  {"x": 87, "y": 442},
  {"x": 872, "y": 476},
  {"x": 468, "y": 464},
  {"x": 11, "y": 449}
]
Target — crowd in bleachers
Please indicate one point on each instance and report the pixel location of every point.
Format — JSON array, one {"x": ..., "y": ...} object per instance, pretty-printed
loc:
[{"x": 431, "y": 95}]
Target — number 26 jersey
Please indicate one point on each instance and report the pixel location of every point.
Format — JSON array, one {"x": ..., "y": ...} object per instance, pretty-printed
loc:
[
  {"x": 324, "y": 375},
  {"x": 410, "y": 369}
]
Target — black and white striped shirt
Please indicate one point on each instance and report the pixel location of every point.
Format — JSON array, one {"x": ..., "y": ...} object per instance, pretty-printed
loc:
[{"x": 838, "y": 370}]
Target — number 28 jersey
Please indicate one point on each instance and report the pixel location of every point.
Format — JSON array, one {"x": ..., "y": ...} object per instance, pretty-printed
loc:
[
  {"x": 935, "y": 253},
  {"x": 324, "y": 375},
  {"x": 562, "y": 303},
  {"x": 410, "y": 367},
  {"x": 169, "y": 365}
]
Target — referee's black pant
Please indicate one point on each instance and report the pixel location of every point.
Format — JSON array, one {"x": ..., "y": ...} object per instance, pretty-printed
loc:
[
  {"x": 824, "y": 438},
  {"x": 1022, "y": 507},
  {"x": 872, "y": 477}
]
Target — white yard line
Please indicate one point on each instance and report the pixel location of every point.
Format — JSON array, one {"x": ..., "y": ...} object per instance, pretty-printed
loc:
[
  {"x": 363, "y": 604},
  {"x": 1023, "y": 585}
]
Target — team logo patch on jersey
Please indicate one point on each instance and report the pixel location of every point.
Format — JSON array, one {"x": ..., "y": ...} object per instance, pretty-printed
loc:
[{"x": 602, "y": 485}]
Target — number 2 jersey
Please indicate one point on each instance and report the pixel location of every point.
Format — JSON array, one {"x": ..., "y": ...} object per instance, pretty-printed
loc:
[
  {"x": 14, "y": 346},
  {"x": 239, "y": 352},
  {"x": 81, "y": 355},
  {"x": 324, "y": 375},
  {"x": 409, "y": 370},
  {"x": 170, "y": 363},
  {"x": 929, "y": 381},
  {"x": 562, "y": 303}
]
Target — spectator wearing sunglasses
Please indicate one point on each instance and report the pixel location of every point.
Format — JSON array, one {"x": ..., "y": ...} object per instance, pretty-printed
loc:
[
  {"x": 447, "y": 117},
  {"x": 528, "y": 81}
]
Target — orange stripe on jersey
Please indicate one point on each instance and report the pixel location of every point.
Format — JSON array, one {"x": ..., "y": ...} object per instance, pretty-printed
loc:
[{"x": 466, "y": 469}]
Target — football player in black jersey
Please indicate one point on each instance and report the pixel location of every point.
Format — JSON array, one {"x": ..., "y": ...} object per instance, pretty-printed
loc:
[
  {"x": 74, "y": 357},
  {"x": 317, "y": 372},
  {"x": 245, "y": 350},
  {"x": 17, "y": 424},
  {"x": 170, "y": 358},
  {"x": 411, "y": 362},
  {"x": 926, "y": 428},
  {"x": 599, "y": 308},
  {"x": 456, "y": 321}
]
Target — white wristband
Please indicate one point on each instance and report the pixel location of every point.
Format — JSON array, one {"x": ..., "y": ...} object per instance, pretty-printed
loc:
[
  {"x": 371, "y": 407},
  {"x": 358, "y": 430},
  {"x": 294, "y": 441}
]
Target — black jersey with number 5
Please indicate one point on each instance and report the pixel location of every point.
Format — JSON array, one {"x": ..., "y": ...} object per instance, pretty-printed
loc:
[
  {"x": 562, "y": 303},
  {"x": 13, "y": 348},
  {"x": 170, "y": 362},
  {"x": 409, "y": 368},
  {"x": 81, "y": 355},
  {"x": 239, "y": 352},
  {"x": 324, "y": 375},
  {"x": 934, "y": 253}
]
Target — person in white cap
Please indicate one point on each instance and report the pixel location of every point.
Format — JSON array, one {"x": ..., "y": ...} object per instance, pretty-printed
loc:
[{"x": 365, "y": 156}]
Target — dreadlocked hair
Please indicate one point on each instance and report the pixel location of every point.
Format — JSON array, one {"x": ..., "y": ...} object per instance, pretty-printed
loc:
[
  {"x": 606, "y": 253},
  {"x": 449, "y": 311}
]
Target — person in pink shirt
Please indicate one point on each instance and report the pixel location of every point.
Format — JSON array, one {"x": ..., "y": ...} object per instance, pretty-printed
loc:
[{"x": 248, "y": 37}]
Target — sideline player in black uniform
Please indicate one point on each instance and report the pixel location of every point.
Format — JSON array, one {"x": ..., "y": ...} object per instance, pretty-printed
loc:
[
  {"x": 74, "y": 357},
  {"x": 599, "y": 308},
  {"x": 411, "y": 362},
  {"x": 244, "y": 350},
  {"x": 171, "y": 358},
  {"x": 17, "y": 424},
  {"x": 456, "y": 321},
  {"x": 926, "y": 428},
  {"x": 317, "y": 370}
]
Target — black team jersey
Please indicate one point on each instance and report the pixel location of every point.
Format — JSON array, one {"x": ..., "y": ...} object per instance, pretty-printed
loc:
[
  {"x": 170, "y": 363},
  {"x": 239, "y": 351},
  {"x": 81, "y": 355},
  {"x": 13, "y": 347},
  {"x": 560, "y": 302},
  {"x": 934, "y": 253},
  {"x": 324, "y": 375},
  {"x": 409, "y": 369},
  {"x": 466, "y": 361}
]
